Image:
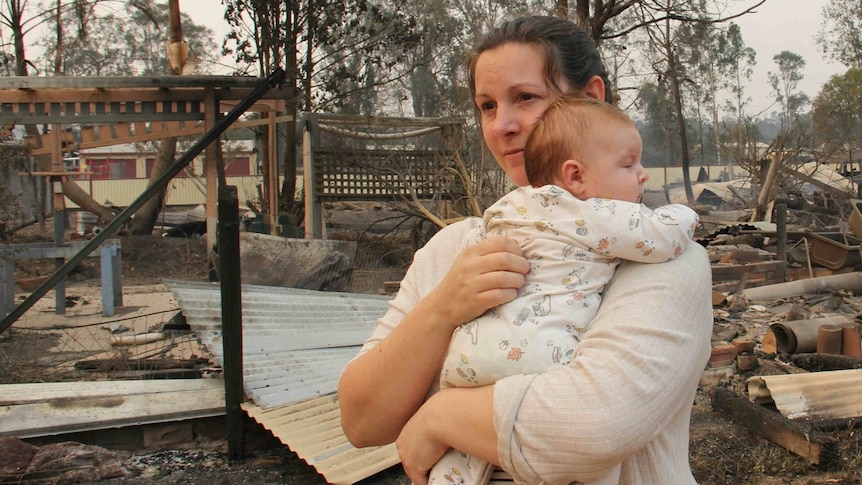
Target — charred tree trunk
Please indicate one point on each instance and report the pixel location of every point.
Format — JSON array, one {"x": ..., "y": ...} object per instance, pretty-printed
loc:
[
  {"x": 58, "y": 55},
  {"x": 77, "y": 195},
  {"x": 287, "y": 198},
  {"x": 145, "y": 218},
  {"x": 563, "y": 9},
  {"x": 261, "y": 142},
  {"x": 680, "y": 123}
]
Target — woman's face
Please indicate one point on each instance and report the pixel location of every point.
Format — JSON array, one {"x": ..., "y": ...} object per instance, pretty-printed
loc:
[{"x": 511, "y": 94}]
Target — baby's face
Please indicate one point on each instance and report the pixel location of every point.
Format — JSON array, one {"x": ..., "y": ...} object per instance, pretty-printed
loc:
[{"x": 612, "y": 164}]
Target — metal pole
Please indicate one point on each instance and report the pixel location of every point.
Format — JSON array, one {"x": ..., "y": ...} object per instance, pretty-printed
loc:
[
  {"x": 231, "y": 317},
  {"x": 780, "y": 213}
]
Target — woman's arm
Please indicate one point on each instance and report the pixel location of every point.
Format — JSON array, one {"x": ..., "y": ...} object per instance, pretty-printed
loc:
[
  {"x": 383, "y": 387},
  {"x": 435, "y": 428}
]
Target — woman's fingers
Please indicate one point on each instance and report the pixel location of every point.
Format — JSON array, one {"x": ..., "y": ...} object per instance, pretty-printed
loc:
[
  {"x": 483, "y": 276},
  {"x": 418, "y": 448}
]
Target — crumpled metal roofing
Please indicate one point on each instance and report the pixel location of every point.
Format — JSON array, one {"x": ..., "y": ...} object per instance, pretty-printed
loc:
[
  {"x": 312, "y": 430},
  {"x": 819, "y": 395},
  {"x": 295, "y": 344}
]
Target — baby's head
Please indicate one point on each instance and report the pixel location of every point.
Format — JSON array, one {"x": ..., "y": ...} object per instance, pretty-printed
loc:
[{"x": 589, "y": 147}]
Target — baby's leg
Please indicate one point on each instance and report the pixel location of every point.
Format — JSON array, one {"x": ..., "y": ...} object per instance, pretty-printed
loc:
[{"x": 459, "y": 468}]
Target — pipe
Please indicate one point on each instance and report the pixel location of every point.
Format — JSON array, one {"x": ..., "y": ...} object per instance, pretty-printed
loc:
[{"x": 798, "y": 336}]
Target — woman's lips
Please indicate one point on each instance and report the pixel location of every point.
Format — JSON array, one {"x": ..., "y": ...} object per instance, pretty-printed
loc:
[{"x": 514, "y": 155}]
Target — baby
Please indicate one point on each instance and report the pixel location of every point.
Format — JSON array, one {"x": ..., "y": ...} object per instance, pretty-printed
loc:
[{"x": 581, "y": 215}]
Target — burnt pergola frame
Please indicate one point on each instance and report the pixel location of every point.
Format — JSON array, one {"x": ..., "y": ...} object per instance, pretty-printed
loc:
[
  {"x": 73, "y": 103},
  {"x": 118, "y": 109},
  {"x": 93, "y": 100}
]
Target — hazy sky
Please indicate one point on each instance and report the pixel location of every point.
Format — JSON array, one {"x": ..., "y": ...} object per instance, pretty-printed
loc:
[
  {"x": 790, "y": 25},
  {"x": 776, "y": 26}
]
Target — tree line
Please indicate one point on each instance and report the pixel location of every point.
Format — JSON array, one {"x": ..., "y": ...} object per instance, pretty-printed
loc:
[{"x": 680, "y": 67}]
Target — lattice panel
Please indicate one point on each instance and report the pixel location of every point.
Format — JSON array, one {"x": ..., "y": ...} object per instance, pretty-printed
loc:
[{"x": 355, "y": 174}]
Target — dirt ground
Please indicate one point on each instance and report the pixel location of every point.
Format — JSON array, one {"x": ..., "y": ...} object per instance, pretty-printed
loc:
[{"x": 721, "y": 451}]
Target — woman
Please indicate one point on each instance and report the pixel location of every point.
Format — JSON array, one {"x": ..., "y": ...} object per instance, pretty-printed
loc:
[{"x": 625, "y": 399}]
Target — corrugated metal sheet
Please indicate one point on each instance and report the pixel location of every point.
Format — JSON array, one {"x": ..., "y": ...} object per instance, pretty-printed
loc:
[
  {"x": 183, "y": 191},
  {"x": 295, "y": 344},
  {"x": 312, "y": 430},
  {"x": 819, "y": 395}
]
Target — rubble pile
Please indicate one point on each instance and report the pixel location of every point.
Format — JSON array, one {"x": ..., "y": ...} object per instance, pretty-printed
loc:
[{"x": 786, "y": 358}]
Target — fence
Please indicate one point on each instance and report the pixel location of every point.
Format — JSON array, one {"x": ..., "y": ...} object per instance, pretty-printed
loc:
[{"x": 191, "y": 191}]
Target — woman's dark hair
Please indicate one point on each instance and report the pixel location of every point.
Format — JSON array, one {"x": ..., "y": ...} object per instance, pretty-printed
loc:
[{"x": 569, "y": 50}]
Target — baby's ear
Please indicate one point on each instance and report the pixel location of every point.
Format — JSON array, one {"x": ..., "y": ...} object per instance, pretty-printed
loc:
[{"x": 572, "y": 177}]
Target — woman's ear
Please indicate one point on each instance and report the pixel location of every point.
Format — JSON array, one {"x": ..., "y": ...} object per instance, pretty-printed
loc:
[
  {"x": 595, "y": 88},
  {"x": 572, "y": 177}
]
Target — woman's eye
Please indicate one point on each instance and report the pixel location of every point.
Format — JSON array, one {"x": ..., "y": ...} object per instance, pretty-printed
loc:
[{"x": 487, "y": 106}]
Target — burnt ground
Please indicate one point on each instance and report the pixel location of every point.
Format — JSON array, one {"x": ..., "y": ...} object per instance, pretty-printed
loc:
[{"x": 721, "y": 451}]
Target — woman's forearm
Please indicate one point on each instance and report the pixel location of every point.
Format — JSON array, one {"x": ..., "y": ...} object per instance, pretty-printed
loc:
[
  {"x": 459, "y": 418},
  {"x": 465, "y": 421},
  {"x": 380, "y": 390}
]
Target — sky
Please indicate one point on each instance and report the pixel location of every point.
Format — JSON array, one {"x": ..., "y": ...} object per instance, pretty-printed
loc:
[
  {"x": 791, "y": 25},
  {"x": 776, "y": 26}
]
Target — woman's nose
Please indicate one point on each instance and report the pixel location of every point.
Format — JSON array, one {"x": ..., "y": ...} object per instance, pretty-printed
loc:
[{"x": 505, "y": 123}]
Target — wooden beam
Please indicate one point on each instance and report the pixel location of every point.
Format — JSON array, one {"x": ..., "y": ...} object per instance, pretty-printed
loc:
[
  {"x": 47, "y": 392},
  {"x": 158, "y": 130},
  {"x": 31, "y": 83},
  {"x": 88, "y": 134},
  {"x": 42, "y": 409},
  {"x": 816, "y": 447},
  {"x": 122, "y": 130},
  {"x": 104, "y": 133},
  {"x": 211, "y": 159},
  {"x": 117, "y": 95},
  {"x": 734, "y": 272}
]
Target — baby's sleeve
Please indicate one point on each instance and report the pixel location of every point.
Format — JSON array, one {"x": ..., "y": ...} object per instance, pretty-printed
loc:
[{"x": 650, "y": 236}]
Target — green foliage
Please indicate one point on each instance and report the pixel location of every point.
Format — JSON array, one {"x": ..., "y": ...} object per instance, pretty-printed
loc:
[
  {"x": 785, "y": 81},
  {"x": 736, "y": 64},
  {"x": 840, "y": 36},
  {"x": 659, "y": 128},
  {"x": 349, "y": 79},
  {"x": 837, "y": 110},
  {"x": 337, "y": 52}
]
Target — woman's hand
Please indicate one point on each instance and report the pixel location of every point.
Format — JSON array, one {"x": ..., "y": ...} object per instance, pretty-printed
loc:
[
  {"x": 398, "y": 373},
  {"x": 418, "y": 447},
  {"x": 483, "y": 276},
  {"x": 460, "y": 418}
]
